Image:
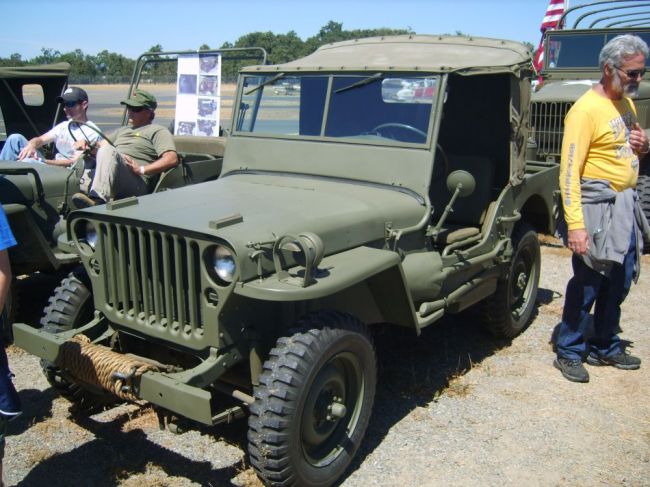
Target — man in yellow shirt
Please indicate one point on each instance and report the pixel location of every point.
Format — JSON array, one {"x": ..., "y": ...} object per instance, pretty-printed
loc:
[{"x": 602, "y": 145}]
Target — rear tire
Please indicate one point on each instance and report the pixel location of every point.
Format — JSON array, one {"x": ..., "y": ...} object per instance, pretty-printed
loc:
[
  {"x": 313, "y": 403},
  {"x": 508, "y": 311}
]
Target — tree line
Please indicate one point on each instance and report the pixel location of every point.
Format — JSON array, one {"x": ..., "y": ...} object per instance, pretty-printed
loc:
[{"x": 111, "y": 67}]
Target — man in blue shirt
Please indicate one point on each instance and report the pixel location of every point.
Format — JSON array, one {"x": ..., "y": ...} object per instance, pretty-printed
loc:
[{"x": 10, "y": 406}]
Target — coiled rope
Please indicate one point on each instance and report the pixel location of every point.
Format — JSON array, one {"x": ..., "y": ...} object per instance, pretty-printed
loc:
[{"x": 101, "y": 367}]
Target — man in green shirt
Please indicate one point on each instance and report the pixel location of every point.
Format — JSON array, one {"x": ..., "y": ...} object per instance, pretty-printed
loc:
[{"x": 140, "y": 152}]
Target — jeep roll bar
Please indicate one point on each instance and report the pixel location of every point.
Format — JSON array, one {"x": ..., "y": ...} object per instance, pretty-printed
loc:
[{"x": 604, "y": 7}]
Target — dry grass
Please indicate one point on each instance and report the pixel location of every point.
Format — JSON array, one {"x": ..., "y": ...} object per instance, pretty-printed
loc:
[
  {"x": 154, "y": 476},
  {"x": 141, "y": 419},
  {"x": 248, "y": 478}
]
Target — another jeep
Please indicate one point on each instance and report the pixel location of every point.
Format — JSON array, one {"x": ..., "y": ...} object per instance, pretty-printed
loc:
[
  {"x": 571, "y": 68},
  {"x": 342, "y": 203},
  {"x": 37, "y": 197}
]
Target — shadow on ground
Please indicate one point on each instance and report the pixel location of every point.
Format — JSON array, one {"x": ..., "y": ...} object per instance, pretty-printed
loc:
[{"x": 413, "y": 372}]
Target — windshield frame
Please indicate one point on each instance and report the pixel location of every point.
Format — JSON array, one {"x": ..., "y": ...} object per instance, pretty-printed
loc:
[{"x": 354, "y": 80}]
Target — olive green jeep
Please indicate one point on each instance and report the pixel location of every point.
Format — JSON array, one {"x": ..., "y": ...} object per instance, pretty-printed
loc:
[
  {"x": 37, "y": 197},
  {"x": 571, "y": 68},
  {"x": 389, "y": 185}
]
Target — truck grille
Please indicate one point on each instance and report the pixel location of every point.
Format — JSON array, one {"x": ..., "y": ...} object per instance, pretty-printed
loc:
[
  {"x": 150, "y": 276},
  {"x": 547, "y": 126}
]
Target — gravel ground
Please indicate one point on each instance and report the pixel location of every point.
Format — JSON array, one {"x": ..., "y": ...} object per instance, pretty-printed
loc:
[{"x": 454, "y": 407}]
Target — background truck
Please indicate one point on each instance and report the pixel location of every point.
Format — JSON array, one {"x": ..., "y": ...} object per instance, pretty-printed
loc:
[
  {"x": 571, "y": 68},
  {"x": 341, "y": 205}
]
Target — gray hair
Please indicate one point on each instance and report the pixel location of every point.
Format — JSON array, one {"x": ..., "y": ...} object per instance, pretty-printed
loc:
[{"x": 616, "y": 51}]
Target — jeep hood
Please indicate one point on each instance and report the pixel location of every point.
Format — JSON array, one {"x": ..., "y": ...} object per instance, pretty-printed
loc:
[
  {"x": 343, "y": 214},
  {"x": 566, "y": 90}
]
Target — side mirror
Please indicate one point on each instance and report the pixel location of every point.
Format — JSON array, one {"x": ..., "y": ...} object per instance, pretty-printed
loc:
[{"x": 462, "y": 181}]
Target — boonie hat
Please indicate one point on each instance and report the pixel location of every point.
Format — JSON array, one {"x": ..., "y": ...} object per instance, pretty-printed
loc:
[
  {"x": 141, "y": 98},
  {"x": 72, "y": 93}
]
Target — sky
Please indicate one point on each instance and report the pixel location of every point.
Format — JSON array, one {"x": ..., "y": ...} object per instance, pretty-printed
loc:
[{"x": 131, "y": 27}]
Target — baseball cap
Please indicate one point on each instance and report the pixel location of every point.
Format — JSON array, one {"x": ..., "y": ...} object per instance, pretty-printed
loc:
[
  {"x": 141, "y": 98},
  {"x": 72, "y": 93}
]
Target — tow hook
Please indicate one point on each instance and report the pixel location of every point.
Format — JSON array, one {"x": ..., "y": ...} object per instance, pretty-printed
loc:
[{"x": 126, "y": 379}]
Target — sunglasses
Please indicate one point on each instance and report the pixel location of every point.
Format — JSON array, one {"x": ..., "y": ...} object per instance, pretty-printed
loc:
[
  {"x": 136, "y": 109},
  {"x": 632, "y": 73},
  {"x": 70, "y": 104}
]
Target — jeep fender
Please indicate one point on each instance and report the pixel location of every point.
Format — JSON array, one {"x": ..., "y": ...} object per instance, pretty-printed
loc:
[
  {"x": 366, "y": 282},
  {"x": 33, "y": 251}
]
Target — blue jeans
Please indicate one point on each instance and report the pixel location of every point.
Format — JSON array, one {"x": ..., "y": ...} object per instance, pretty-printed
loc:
[
  {"x": 585, "y": 288},
  {"x": 13, "y": 145}
]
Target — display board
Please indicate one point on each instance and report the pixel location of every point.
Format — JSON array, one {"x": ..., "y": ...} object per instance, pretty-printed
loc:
[{"x": 198, "y": 95}]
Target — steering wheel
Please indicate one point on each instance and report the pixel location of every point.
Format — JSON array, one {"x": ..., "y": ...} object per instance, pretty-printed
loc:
[
  {"x": 402, "y": 126},
  {"x": 75, "y": 123}
]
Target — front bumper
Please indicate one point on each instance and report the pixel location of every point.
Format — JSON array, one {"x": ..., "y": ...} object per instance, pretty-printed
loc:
[{"x": 182, "y": 393}]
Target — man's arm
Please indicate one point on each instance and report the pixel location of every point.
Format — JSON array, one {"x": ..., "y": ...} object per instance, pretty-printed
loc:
[
  {"x": 166, "y": 161},
  {"x": 30, "y": 150},
  {"x": 639, "y": 140},
  {"x": 575, "y": 148}
]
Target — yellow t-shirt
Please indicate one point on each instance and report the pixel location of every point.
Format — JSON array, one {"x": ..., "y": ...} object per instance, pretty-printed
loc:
[{"x": 596, "y": 146}]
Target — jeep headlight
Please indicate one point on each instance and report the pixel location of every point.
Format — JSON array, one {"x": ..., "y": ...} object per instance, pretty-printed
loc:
[
  {"x": 91, "y": 235},
  {"x": 224, "y": 264},
  {"x": 86, "y": 236}
]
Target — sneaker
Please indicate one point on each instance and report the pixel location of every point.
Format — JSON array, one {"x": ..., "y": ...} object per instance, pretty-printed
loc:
[
  {"x": 82, "y": 201},
  {"x": 572, "y": 369},
  {"x": 621, "y": 360}
]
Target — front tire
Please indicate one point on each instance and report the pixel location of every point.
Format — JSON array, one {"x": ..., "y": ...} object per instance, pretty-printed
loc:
[
  {"x": 314, "y": 402},
  {"x": 508, "y": 311},
  {"x": 70, "y": 307}
]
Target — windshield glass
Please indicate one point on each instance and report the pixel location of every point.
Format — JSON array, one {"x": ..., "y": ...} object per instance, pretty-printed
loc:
[
  {"x": 365, "y": 108},
  {"x": 581, "y": 50}
]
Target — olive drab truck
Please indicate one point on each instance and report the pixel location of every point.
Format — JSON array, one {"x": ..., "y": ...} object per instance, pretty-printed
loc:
[{"x": 388, "y": 185}]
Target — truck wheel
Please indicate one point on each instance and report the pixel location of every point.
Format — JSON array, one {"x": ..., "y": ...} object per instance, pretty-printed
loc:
[
  {"x": 643, "y": 190},
  {"x": 314, "y": 402},
  {"x": 508, "y": 311},
  {"x": 70, "y": 307}
]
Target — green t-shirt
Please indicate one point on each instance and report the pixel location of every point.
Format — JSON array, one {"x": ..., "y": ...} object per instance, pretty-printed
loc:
[{"x": 144, "y": 144}]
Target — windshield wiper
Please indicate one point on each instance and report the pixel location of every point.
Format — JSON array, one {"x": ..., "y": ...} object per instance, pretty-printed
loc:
[
  {"x": 361, "y": 82},
  {"x": 262, "y": 85}
]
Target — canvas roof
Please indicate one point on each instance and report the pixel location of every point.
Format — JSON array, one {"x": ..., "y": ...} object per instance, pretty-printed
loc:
[{"x": 420, "y": 53}]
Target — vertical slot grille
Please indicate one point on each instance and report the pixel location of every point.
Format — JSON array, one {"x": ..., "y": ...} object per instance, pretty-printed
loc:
[
  {"x": 151, "y": 277},
  {"x": 547, "y": 123}
]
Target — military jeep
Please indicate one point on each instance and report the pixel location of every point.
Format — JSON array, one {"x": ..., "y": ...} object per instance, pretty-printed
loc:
[
  {"x": 389, "y": 186},
  {"x": 37, "y": 197}
]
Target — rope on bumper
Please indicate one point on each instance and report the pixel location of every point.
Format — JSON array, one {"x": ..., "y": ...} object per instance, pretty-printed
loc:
[{"x": 101, "y": 367}]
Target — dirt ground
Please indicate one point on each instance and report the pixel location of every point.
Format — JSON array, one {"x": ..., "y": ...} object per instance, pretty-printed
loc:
[{"x": 454, "y": 407}]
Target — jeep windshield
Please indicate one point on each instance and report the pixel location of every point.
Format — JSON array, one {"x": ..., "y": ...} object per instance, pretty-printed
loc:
[
  {"x": 367, "y": 108},
  {"x": 581, "y": 49}
]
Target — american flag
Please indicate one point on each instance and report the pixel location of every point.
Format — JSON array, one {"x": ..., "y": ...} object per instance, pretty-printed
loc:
[{"x": 549, "y": 22}]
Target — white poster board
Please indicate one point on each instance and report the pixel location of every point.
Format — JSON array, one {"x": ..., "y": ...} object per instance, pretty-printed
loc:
[{"x": 198, "y": 95}]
